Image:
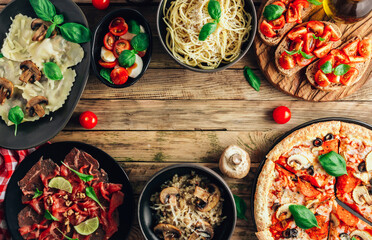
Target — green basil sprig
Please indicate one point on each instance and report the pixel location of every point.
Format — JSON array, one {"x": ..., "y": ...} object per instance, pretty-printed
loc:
[
  {"x": 252, "y": 78},
  {"x": 58, "y": 19},
  {"x": 241, "y": 208},
  {"x": 105, "y": 73},
  {"x": 37, "y": 194},
  {"x": 50, "y": 30},
  {"x": 127, "y": 58},
  {"x": 82, "y": 176},
  {"x": 214, "y": 10},
  {"x": 44, "y": 9},
  {"x": 75, "y": 33},
  {"x": 49, "y": 216},
  {"x": 139, "y": 43},
  {"x": 307, "y": 56},
  {"x": 315, "y": 2},
  {"x": 1, "y": 55},
  {"x": 319, "y": 38},
  {"x": 333, "y": 163},
  {"x": 16, "y": 115},
  {"x": 89, "y": 191},
  {"x": 272, "y": 12},
  {"x": 52, "y": 71},
  {"x": 339, "y": 70},
  {"x": 304, "y": 218},
  {"x": 133, "y": 27},
  {"x": 327, "y": 67},
  {"x": 65, "y": 236}
]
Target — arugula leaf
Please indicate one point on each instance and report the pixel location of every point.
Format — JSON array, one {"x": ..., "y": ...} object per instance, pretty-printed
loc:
[
  {"x": 241, "y": 208},
  {"x": 333, "y": 163},
  {"x": 327, "y": 67},
  {"x": 315, "y": 2},
  {"x": 16, "y": 115},
  {"x": 49, "y": 216},
  {"x": 89, "y": 191},
  {"x": 252, "y": 78},
  {"x": 341, "y": 69},
  {"x": 37, "y": 194},
  {"x": 304, "y": 218},
  {"x": 82, "y": 176}
]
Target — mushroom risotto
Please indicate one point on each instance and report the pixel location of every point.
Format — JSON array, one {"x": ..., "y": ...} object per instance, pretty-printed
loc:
[{"x": 188, "y": 208}]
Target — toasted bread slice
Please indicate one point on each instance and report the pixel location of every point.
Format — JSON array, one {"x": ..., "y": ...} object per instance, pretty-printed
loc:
[
  {"x": 284, "y": 46},
  {"x": 313, "y": 68},
  {"x": 288, "y": 26}
]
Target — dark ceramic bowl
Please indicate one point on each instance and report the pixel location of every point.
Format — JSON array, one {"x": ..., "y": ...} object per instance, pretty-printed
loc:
[
  {"x": 100, "y": 32},
  {"x": 146, "y": 217},
  {"x": 31, "y": 134},
  {"x": 162, "y": 31},
  {"x": 57, "y": 152}
]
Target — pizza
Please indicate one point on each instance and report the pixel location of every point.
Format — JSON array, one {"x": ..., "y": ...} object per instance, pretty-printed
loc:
[{"x": 310, "y": 168}]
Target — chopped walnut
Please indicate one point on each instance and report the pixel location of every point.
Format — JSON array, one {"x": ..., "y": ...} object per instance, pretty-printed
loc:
[
  {"x": 64, "y": 214},
  {"x": 70, "y": 212},
  {"x": 67, "y": 223},
  {"x": 80, "y": 195},
  {"x": 49, "y": 200},
  {"x": 77, "y": 213},
  {"x": 85, "y": 209},
  {"x": 65, "y": 197}
]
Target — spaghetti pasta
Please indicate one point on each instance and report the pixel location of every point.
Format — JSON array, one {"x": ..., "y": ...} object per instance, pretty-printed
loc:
[{"x": 184, "y": 20}]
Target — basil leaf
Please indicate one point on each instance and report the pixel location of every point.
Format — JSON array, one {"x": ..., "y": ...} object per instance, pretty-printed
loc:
[
  {"x": 50, "y": 30},
  {"x": 140, "y": 42},
  {"x": 16, "y": 116},
  {"x": 58, "y": 19},
  {"x": 320, "y": 38},
  {"x": 353, "y": 238},
  {"x": 65, "y": 236},
  {"x": 241, "y": 208},
  {"x": 89, "y": 191},
  {"x": 1, "y": 55},
  {"x": 307, "y": 56},
  {"x": 44, "y": 9},
  {"x": 341, "y": 69},
  {"x": 37, "y": 194},
  {"x": 273, "y": 12},
  {"x": 315, "y": 2},
  {"x": 207, "y": 30},
  {"x": 214, "y": 9},
  {"x": 304, "y": 218},
  {"x": 52, "y": 71},
  {"x": 82, "y": 176},
  {"x": 292, "y": 52},
  {"x": 127, "y": 58},
  {"x": 326, "y": 67},
  {"x": 49, "y": 216},
  {"x": 333, "y": 163},
  {"x": 75, "y": 33},
  {"x": 252, "y": 78},
  {"x": 133, "y": 27},
  {"x": 105, "y": 73}
]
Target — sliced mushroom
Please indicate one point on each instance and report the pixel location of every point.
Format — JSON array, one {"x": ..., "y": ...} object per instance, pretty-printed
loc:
[
  {"x": 369, "y": 162},
  {"x": 167, "y": 231},
  {"x": 41, "y": 27},
  {"x": 297, "y": 161},
  {"x": 312, "y": 204},
  {"x": 362, "y": 234},
  {"x": 361, "y": 195},
  {"x": 6, "y": 90},
  {"x": 364, "y": 176},
  {"x": 334, "y": 220},
  {"x": 283, "y": 212},
  {"x": 316, "y": 150},
  {"x": 344, "y": 236},
  {"x": 213, "y": 199},
  {"x": 34, "y": 106},
  {"x": 235, "y": 162},
  {"x": 169, "y": 195},
  {"x": 201, "y": 193},
  {"x": 30, "y": 72}
]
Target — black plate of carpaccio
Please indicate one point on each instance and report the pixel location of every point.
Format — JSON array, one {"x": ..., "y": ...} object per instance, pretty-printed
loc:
[
  {"x": 31, "y": 134},
  {"x": 57, "y": 153}
]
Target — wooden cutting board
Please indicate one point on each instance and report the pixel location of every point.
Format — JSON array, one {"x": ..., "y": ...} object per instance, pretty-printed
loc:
[{"x": 297, "y": 84}]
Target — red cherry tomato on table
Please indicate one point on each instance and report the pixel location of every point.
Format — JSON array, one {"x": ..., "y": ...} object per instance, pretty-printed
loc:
[
  {"x": 282, "y": 115},
  {"x": 101, "y": 4},
  {"x": 119, "y": 76},
  {"x": 88, "y": 120}
]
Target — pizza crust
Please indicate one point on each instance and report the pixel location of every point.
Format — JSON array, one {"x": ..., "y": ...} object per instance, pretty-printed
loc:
[
  {"x": 356, "y": 131},
  {"x": 264, "y": 235}
]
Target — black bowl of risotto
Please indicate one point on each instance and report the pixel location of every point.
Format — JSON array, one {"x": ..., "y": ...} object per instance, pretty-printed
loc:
[
  {"x": 187, "y": 201},
  {"x": 179, "y": 25}
]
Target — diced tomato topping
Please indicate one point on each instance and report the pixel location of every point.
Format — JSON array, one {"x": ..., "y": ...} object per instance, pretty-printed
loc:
[
  {"x": 322, "y": 231},
  {"x": 351, "y": 48},
  {"x": 333, "y": 78},
  {"x": 346, "y": 217},
  {"x": 286, "y": 61},
  {"x": 365, "y": 47},
  {"x": 356, "y": 59},
  {"x": 279, "y": 3},
  {"x": 296, "y": 44},
  {"x": 325, "y": 39},
  {"x": 303, "y": 61},
  {"x": 322, "y": 51},
  {"x": 340, "y": 56},
  {"x": 347, "y": 183},
  {"x": 266, "y": 29},
  {"x": 350, "y": 76},
  {"x": 321, "y": 79},
  {"x": 309, "y": 43},
  {"x": 316, "y": 27},
  {"x": 278, "y": 23},
  {"x": 291, "y": 14},
  {"x": 299, "y": 5},
  {"x": 325, "y": 59},
  {"x": 297, "y": 33},
  {"x": 334, "y": 35},
  {"x": 328, "y": 146},
  {"x": 307, "y": 189}
]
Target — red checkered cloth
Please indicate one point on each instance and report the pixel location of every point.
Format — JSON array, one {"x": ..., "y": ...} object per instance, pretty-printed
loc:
[{"x": 9, "y": 159}]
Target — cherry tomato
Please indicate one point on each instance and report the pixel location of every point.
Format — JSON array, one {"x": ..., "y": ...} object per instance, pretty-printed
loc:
[
  {"x": 279, "y": 3},
  {"x": 325, "y": 59},
  {"x": 334, "y": 35},
  {"x": 322, "y": 51},
  {"x": 326, "y": 37},
  {"x": 365, "y": 47},
  {"x": 286, "y": 61},
  {"x": 299, "y": 5},
  {"x": 316, "y": 27},
  {"x": 88, "y": 120},
  {"x": 109, "y": 41},
  {"x": 303, "y": 61},
  {"x": 321, "y": 79},
  {"x": 333, "y": 78},
  {"x": 309, "y": 43},
  {"x": 120, "y": 46},
  {"x": 141, "y": 54},
  {"x": 118, "y": 26},
  {"x": 119, "y": 76},
  {"x": 356, "y": 59},
  {"x": 351, "y": 48},
  {"x": 291, "y": 14},
  {"x": 296, "y": 44},
  {"x": 340, "y": 56},
  {"x": 297, "y": 33},
  {"x": 282, "y": 115},
  {"x": 278, "y": 23},
  {"x": 266, "y": 29},
  {"x": 107, "y": 64},
  {"x": 285, "y": 1},
  {"x": 101, "y": 4},
  {"x": 303, "y": 3},
  {"x": 350, "y": 76}
]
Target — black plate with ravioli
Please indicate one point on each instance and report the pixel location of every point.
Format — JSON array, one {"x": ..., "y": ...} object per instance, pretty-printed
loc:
[
  {"x": 57, "y": 152},
  {"x": 31, "y": 134}
]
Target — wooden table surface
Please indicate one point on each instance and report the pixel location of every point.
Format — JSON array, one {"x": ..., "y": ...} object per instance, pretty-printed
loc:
[{"x": 174, "y": 115}]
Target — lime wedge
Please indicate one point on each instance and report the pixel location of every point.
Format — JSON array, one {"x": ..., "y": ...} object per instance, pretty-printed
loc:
[
  {"x": 87, "y": 227},
  {"x": 60, "y": 183}
]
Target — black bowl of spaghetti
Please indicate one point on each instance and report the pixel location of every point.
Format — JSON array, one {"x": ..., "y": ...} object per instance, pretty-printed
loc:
[{"x": 179, "y": 24}]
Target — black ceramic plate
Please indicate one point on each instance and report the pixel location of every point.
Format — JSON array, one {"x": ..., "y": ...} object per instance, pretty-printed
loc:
[
  {"x": 99, "y": 34},
  {"x": 347, "y": 120},
  {"x": 57, "y": 152},
  {"x": 31, "y": 134},
  {"x": 146, "y": 216},
  {"x": 162, "y": 31}
]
